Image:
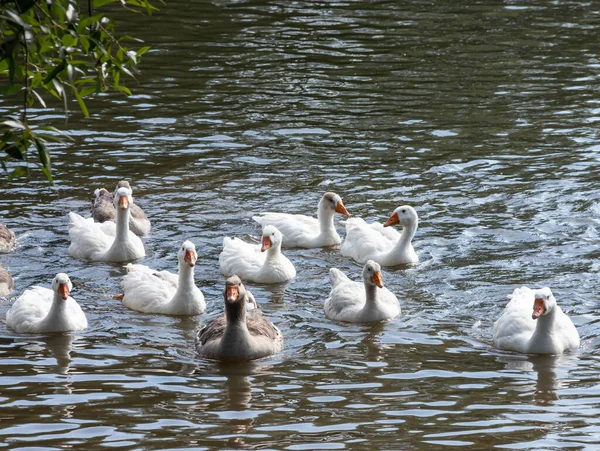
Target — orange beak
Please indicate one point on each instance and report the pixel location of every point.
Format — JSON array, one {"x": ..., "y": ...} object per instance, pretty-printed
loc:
[
  {"x": 190, "y": 258},
  {"x": 123, "y": 202},
  {"x": 232, "y": 293},
  {"x": 394, "y": 219},
  {"x": 377, "y": 279},
  {"x": 341, "y": 209},
  {"x": 63, "y": 291},
  {"x": 266, "y": 243},
  {"x": 538, "y": 308}
]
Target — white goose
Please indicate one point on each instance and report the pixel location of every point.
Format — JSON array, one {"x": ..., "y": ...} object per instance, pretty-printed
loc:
[
  {"x": 103, "y": 210},
  {"x": 261, "y": 264},
  {"x": 377, "y": 242},
  {"x": 357, "y": 302},
  {"x": 40, "y": 309},
  {"x": 237, "y": 335},
  {"x": 532, "y": 323},
  {"x": 305, "y": 231},
  {"x": 149, "y": 291},
  {"x": 106, "y": 241}
]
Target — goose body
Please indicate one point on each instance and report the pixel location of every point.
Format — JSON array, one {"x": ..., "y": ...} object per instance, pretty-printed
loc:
[
  {"x": 8, "y": 240},
  {"x": 237, "y": 335},
  {"x": 149, "y": 291},
  {"x": 107, "y": 241},
  {"x": 258, "y": 263},
  {"x": 7, "y": 285},
  {"x": 357, "y": 302},
  {"x": 381, "y": 243},
  {"x": 532, "y": 323},
  {"x": 306, "y": 231},
  {"x": 103, "y": 210},
  {"x": 40, "y": 310}
]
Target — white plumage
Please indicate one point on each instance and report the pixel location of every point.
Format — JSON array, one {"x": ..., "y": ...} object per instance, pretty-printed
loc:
[
  {"x": 146, "y": 290},
  {"x": 258, "y": 263},
  {"x": 360, "y": 302},
  {"x": 305, "y": 231},
  {"x": 381, "y": 243},
  {"x": 107, "y": 241},
  {"x": 533, "y": 323},
  {"x": 40, "y": 309}
]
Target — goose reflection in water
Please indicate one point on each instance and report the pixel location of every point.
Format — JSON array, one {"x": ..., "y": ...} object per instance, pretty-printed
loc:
[
  {"x": 60, "y": 346},
  {"x": 547, "y": 382}
]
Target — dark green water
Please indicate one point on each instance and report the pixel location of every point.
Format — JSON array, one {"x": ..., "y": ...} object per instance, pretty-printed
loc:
[{"x": 484, "y": 117}]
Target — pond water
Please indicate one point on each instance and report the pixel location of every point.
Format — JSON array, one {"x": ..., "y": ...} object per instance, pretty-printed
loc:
[{"x": 484, "y": 117}]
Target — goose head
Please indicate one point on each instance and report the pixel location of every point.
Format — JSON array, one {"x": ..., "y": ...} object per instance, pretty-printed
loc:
[
  {"x": 124, "y": 184},
  {"x": 332, "y": 203},
  {"x": 235, "y": 300},
  {"x": 62, "y": 285},
  {"x": 404, "y": 215},
  {"x": 101, "y": 193},
  {"x": 372, "y": 274},
  {"x": 187, "y": 254},
  {"x": 544, "y": 302},
  {"x": 271, "y": 238},
  {"x": 235, "y": 292},
  {"x": 123, "y": 199}
]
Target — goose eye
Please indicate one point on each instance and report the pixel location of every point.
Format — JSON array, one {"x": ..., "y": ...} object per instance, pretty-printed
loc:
[{"x": 403, "y": 210}]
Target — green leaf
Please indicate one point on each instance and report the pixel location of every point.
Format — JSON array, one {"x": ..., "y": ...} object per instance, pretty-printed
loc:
[
  {"x": 143, "y": 50},
  {"x": 48, "y": 174},
  {"x": 101, "y": 3},
  {"x": 14, "y": 151},
  {"x": 18, "y": 172},
  {"x": 42, "y": 152},
  {"x": 81, "y": 103},
  {"x": 87, "y": 91},
  {"x": 57, "y": 70},
  {"x": 124, "y": 89},
  {"x": 68, "y": 40}
]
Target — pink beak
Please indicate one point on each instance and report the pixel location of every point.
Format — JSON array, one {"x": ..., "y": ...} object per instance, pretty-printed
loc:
[
  {"x": 190, "y": 258},
  {"x": 538, "y": 308},
  {"x": 266, "y": 243},
  {"x": 123, "y": 202},
  {"x": 63, "y": 291}
]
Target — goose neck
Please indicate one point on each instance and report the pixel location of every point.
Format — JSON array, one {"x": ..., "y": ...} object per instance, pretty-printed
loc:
[
  {"x": 122, "y": 221},
  {"x": 408, "y": 233},
  {"x": 371, "y": 294},
  {"x": 325, "y": 221}
]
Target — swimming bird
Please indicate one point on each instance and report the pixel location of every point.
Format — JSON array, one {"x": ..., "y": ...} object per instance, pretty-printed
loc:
[
  {"x": 258, "y": 263},
  {"x": 150, "y": 291},
  {"x": 103, "y": 210},
  {"x": 533, "y": 323},
  {"x": 106, "y": 241},
  {"x": 7, "y": 239},
  {"x": 305, "y": 231},
  {"x": 7, "y": 283},
  {"x": 40, "y": 309},
  {"x": 357, "y": 302},
  {"x": 237, "y": 335},
  {"x": 380, "y": 242}
]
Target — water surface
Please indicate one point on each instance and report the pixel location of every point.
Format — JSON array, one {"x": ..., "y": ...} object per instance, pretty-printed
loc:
[{"x": 483, "y": 117}]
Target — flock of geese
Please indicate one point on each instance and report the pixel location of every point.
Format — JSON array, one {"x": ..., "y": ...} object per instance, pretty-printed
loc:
[{"x": 532, "y": 322}]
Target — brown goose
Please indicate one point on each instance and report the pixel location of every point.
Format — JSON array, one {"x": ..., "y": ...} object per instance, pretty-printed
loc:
[
  {"x": 237, "y": 335},
  {"x": 7, "y": 239},
  {"x": 6, "y": 281},
  {"x": 104, "y": 210}
]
